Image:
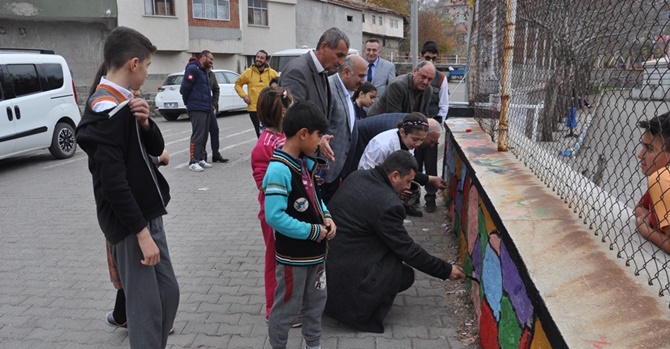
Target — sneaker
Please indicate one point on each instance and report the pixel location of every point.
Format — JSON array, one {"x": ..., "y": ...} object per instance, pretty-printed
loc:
[
  {"x": 171, "y": 331},
  {"x": 204, "y": 164},
  {"x": 297, "y": 323},
  {"x": 430, "y": 206},
  {"x": 195, "y": 167},
  {"x": 109, "y": 320}
]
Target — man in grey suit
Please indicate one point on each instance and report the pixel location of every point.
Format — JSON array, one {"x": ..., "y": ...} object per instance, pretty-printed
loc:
[
  {"x": 408, "y": 93},
  {"x": 349, "y": 77},
  {"x": 380, "y": 71},
  {"x": 306, "y": 77}
]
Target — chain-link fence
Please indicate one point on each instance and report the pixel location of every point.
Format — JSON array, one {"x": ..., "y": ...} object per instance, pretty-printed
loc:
[{"x": 563, "y": 85}]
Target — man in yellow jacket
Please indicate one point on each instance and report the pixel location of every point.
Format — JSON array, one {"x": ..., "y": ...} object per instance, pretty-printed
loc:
[{"x": 257, "y": 77}]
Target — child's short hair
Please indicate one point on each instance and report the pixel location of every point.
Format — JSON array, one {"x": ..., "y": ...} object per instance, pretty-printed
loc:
[
  {"x": 124, "y": 44},
  {"x": 413, "y": 122},
  {"x": 274, "y": 80},
  {"x": 304, "y": 114},
  {"x": 364, "y": 88},
  {"x": 271, "y": 105},
  {"x": 658, "y": 126}
]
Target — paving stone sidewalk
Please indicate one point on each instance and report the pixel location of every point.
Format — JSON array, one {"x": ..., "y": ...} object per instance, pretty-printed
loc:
[{"x": 55, "y": 288}]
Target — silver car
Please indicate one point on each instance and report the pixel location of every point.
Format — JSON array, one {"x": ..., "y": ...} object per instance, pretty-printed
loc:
[{"x": 170, "y": 104}]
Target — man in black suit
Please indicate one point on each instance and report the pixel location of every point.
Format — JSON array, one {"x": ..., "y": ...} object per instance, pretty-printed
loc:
[
  {"x": 306, "y": 77},
  {"x": 373, "y": 257}
]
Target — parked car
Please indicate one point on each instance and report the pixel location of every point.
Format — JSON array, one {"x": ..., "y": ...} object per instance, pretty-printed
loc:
[
  {"x": 170, "y": 104},
  {"x": 38, "y": 104},
  {"x": 457, "y": 71},
  {"x": 279, "y": 59}
]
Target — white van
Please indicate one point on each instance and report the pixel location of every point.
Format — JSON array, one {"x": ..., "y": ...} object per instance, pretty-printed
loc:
[
  {"x": 38, "y": 107},
  {"x": 278, "y": 60}
]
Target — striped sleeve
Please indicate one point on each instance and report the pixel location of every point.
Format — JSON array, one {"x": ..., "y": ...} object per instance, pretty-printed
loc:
[{"x": 277, "y": 186}]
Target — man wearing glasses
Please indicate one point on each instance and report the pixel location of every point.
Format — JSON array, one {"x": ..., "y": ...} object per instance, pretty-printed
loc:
[
  {"x": 426, "y": 154},
  {"x": 257, "y": 77}
]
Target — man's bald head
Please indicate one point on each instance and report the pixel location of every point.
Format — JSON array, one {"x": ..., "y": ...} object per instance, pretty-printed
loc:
[{"x": 434, "y": 133}]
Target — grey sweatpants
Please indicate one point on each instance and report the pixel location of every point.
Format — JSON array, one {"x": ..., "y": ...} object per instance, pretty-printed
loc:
[
  {"x": 152, "y": 292},
  {"x": 298, "y": 288},
  {"x": 200, "y": 132}
]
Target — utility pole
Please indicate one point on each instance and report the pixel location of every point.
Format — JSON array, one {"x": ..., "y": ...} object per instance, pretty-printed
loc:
[{"x": 414, "y": 37}]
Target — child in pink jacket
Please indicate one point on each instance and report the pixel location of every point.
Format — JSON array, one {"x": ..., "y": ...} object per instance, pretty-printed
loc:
[{"x": 272, "y": 103}]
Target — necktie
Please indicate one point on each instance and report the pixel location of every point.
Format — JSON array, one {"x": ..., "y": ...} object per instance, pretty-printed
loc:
[{"x": 370, "y": 71}]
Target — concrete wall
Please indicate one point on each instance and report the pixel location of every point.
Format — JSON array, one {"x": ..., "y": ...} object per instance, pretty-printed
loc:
[
  {"x": 277, "y": 36},
  {"x": 78, "y": 42},
  {"x": 314, "y": 17},
  {"x": 539, "y": 278}
]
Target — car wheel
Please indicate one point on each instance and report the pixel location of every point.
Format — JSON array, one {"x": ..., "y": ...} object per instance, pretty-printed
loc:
[
  {"x": 63, "y": 144},
  {"x": 171, "y": 117}
]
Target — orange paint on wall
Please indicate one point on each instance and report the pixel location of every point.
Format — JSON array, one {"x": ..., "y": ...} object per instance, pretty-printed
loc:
[
  {"x": 540, "y": 340},
  {"x": 487, "y": 218}
]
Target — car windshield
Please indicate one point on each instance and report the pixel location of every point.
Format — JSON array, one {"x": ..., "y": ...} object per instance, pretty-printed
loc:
[{"x": 173, "y": 80}]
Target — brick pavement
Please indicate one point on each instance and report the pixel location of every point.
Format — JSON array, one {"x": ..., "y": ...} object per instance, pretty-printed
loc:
[{"x": 55, "y": 288}]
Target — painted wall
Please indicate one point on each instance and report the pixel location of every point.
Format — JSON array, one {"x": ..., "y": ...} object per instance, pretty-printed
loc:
[
  {"x": 168, "y": 33},
  {"x": 314, "y": 17},
  {"x": 510, "y": 311}
]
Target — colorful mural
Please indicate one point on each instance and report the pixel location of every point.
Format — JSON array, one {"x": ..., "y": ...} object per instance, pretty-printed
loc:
[{"x": 510, "y": 311}]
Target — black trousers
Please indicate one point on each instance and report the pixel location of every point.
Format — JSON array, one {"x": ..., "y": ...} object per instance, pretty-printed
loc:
[{"x": 426, "y": 157}]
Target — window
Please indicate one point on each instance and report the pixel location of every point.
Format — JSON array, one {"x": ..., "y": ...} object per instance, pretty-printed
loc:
[
  {"x": 211, "y": 9},
  {"x": 363, "y": 20},
  {"x": 24, "y": 79},
  {"x": 380, "y": 20},
  {"x": 220, "y": 79},
  {"x": 159, "y": 7},
  {"x": 231, "y": 77},
  {"x": 258, "y": 12},
  {"x": 374, "y": 19},
  {"x": 54, "y": 76},
  {"x": 350, "y": 18}
]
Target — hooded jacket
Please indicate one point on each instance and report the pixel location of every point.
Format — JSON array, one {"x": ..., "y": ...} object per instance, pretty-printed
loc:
[
  {"x": 129, "y": 191},
  {"x": 196, "y": 91},
  {"x": 256, "y": 82}
]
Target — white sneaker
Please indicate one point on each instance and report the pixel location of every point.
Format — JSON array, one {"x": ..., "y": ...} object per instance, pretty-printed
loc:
[
  {"x": 195, "y": 167},
  {"x": 204, "y": 164}
]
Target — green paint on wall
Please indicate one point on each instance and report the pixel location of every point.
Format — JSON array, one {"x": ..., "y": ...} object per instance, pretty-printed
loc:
[
  {"x": 509, "y": 332},
  {"x": 483, "y": 233}
]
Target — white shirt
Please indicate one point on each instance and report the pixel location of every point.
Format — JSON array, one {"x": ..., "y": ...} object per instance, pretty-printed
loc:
[
  {"x": 443, "y": 104},
  {"x": 318, "y": 65},
  {"x": 104, "y": 105},
  {"x": 350, "y": 104},
  {"x": 380, "y": 148}
]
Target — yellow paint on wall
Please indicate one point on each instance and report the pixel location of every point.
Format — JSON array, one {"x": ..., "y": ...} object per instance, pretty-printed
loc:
[
  {"x": 540, "y": 340},
  {"x": 487, "y": 218},
  {"x": 462, "y": 248}
]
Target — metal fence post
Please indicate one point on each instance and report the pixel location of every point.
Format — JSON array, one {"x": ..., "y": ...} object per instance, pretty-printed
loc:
[{"x": 506, "y": 81}]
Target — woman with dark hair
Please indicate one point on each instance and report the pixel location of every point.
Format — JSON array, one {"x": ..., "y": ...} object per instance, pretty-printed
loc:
[{"x": 411, "y": 132}]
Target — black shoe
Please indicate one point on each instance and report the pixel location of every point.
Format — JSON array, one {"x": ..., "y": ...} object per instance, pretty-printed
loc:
[
  {"x": 430, "y": 206},
  {"x": 413, "y": 211},
  {"x": 219, "y": 158}
]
